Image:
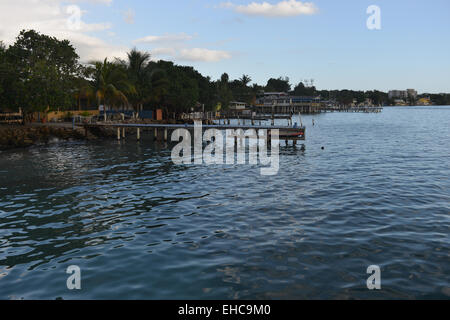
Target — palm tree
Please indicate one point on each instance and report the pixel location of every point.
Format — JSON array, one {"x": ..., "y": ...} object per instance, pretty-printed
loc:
[
  {"x": 139, "y": 73},
  {"x": 151, "y": 83},
  {"x": 245, "y": 80},
  {"x": 224, "y": 79},
  {"x": 111, "y": 84}
]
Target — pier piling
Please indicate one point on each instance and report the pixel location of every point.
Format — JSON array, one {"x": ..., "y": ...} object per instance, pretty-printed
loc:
[{"x": 286, "y": 133}]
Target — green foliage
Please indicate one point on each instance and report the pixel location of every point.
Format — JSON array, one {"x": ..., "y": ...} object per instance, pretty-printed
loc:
[
  {"x": 245, "y": 80},
  {"x": 441, "y": 99},
  {"x": 178, "y": 86},
  {"x": 2, "y": 69},
  {"x": 378, "y": 97},
  {"x": 278, "y": 85},
  {"x": 111, "y": 84},
  {"x": 140, "y": 75},
  {"x": 41, "y": 70},
  {"x": 224, "y": 93},
  {"x": 41, "y": 73},
  {"x": 346, "y": 97},
  {"x": 301, "y": 90}
]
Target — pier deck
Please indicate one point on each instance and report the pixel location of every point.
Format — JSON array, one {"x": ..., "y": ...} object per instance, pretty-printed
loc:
[{"x": 285, "y": 132}]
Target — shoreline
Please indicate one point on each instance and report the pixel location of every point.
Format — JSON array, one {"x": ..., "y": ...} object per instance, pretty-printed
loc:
[
  {"x": 24, "y": 136},
  {"x": 37, "y": 134}
]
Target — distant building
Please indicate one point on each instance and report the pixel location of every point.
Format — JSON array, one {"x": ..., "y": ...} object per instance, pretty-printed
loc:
[
  {"x": 398, "y": 94},
  {"x": 235, "y": 105},
  {"x": 282, "y": 102},
  {"x": 283, "y": 99},
  {"x": 403, "y": 94},
  {"x": 274, "y": 94}
]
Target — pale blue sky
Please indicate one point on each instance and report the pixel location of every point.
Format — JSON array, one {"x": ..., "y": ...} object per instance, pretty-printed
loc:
[{"x": 332, "y": 45}]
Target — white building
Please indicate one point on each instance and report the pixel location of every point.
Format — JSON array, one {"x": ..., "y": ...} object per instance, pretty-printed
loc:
[
  {"x": 398, "y": 94},
  {"x": 402, "y": 94},
  {"x": 236, "y": 105}
]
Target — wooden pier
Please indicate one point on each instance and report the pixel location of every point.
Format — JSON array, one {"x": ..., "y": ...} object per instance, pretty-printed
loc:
[
  {"x": 287, "y": 133},
  {"x": 353, "y": 109}
]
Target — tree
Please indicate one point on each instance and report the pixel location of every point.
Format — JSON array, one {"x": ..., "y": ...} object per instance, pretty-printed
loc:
[
  {"x": 245, "y": 80},
  {"x": 159, "y": 86},
  {"x": 301, "y": 90},
  {"x": 345, "y": 97},
  {"x": 45, "y": 69},
  {"x": 84, "y": 89},
  {"x": 278, "y": 85},
  {"x": 224, "y": 93},
  {"x": 111, "y": 84},
  {"x": 2, "y": 69},
  {"x": 224, "y": 79},
  {"x": 139, "y": 74},
  {"x": 10, "y": 84}
]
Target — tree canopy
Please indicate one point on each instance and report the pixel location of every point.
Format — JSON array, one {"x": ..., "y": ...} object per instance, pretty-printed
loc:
[
  {"x": 278, "y": 85},
  {"x": 41, "y": 73}
]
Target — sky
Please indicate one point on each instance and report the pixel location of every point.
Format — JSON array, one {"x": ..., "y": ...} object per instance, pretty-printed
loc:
[{"x": 325, "y": 40}]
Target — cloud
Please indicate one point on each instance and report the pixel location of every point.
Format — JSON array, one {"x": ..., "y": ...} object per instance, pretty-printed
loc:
[
  {"x": 174, "y": 48},
  {"x": 51, "y": 17},
  {"x": 158, "y": 52},
  {"x": 200, "y": 54},
  {"x": 287, "y": 8},
  {"x": 167, "y": 38},
  {"x": 191, "y": 54},
  {"x": 107, "y": 2}
]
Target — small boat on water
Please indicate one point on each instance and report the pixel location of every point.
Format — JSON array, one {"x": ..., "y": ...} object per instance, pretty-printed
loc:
[{"x": 291, "y": 133}]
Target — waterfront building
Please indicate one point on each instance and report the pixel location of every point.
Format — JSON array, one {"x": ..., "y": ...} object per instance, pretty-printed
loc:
[
  {"x": 282, "y": 102},
  {"x": 398, "y": 94},
  {"x": 403, "y": 94},
  {"x": 237, "y": 106}
]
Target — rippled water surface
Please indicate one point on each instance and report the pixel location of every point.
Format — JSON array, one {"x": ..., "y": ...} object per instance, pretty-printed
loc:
[{"x": 140, "y": 227}]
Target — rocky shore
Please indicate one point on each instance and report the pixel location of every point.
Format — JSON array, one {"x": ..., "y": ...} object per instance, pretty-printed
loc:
[
  {"x": 22, "y": 136},
  {"x": 18, "y": 136}
]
